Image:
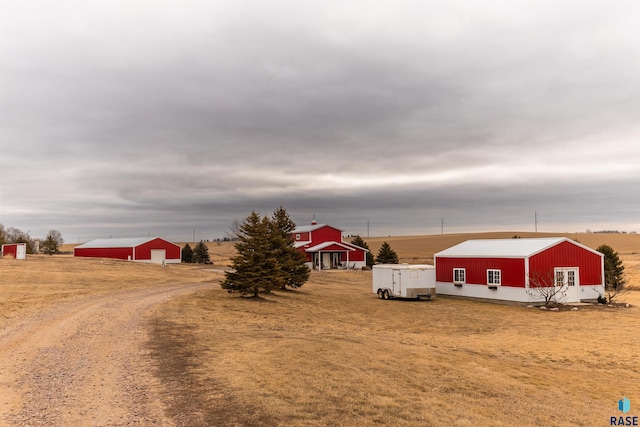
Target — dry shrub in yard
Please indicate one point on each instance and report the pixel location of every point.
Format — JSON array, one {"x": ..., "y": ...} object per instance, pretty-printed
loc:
[{"x": 332, "y": 353}]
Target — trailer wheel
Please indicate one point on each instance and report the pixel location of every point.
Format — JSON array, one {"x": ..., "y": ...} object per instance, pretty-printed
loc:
[
  {"x": 385, "y": 294},
  {"x": 380, "y": 293}
]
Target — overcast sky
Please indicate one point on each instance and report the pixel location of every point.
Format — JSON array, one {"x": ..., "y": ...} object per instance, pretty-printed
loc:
[{"x": 136, "y": 118}]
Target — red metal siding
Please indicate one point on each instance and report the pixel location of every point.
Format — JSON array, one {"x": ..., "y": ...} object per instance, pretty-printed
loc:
[
  {"x": 324, "y": 234},
  {"x": 303, "y": 237},
  {"x": 357, "y": 255},
  {"x": 10, "y": 250},
  {"x": 567, "y": 254},
  {"x": 143, "y": 252},
  {"x": 512, "y": 270},
  {"x": 116, "y": 253}
]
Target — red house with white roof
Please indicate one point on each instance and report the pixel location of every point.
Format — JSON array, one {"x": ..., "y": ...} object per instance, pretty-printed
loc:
[
  {"x": 511, "y": 269},
  {"x": 324, "y": 248}
]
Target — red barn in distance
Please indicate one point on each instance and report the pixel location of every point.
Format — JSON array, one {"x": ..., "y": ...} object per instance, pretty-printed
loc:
[
  {"x": 509, "y": 269},
  {"x": 324, "y": 248},
  {"x": 144, "y": 249}
]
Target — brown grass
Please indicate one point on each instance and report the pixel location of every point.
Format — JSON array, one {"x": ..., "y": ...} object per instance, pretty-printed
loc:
[
  {"x": 331, "y": 353},
  {"x": 26, "y": 285}
]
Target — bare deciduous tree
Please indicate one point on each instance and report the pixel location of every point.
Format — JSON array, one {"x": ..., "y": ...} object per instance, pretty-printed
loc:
[{"x": 544, "y": 286}]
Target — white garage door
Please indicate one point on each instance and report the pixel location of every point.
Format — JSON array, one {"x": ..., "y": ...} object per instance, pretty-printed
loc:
[{"x": 158, "y": 256}]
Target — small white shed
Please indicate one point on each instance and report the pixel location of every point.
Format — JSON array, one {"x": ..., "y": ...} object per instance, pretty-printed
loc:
[{"x": 404, "y": 281}]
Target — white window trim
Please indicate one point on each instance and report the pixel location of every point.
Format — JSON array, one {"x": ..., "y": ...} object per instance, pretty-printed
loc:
[
  {"x": 558, "y": 273},
  {"x": 499, "y": 283},
  {"x": 464, "y": 275},
  {"x": 565, "y": 276}
]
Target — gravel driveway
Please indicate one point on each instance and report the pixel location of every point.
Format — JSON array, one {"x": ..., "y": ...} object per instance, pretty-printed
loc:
[{"x": 84, "y": 362}]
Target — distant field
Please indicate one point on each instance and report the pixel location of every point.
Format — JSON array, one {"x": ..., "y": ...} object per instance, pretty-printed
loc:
[{"x": 422, "y": 248}]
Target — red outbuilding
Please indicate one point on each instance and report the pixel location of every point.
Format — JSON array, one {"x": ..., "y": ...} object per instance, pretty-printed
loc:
[
  {"x": 516, "y": 269},
  {"x": 145, "y": 249},
  {"x": 15, "y": 250},
  {"x": 324, "y": 248}
]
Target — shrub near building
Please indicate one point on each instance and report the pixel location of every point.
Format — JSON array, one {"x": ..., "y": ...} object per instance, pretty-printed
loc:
[
  {"x": 201, "y": 253},
  {"x": 187, "y": 254},
  {"x": 615, "y": 282},
  {"x": 386, "y": 255}
]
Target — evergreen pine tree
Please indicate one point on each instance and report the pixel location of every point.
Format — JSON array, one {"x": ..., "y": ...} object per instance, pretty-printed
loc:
[
  {"x": 292, "y": 262},
  {"x": 201, "y": 253},
  {"x": 283, "y": 222},
  {"x": 359, "y": 242},
  {"x": 255, "y": 266},
  {"x": 50, "y": 246},
  {"x": 386, "y": 255},
  {"x": 187, "y": 254},
  {"x": 615, "y": 282}
]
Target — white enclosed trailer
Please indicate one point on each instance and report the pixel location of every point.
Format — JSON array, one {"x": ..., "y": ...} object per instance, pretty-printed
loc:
[{"x": 404, "y": 281}]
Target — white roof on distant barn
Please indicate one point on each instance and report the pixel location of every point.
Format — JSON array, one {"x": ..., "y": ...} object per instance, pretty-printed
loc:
[
  {"x": 502, "y": 248},
  {"x": 307, "y": 228},
  {"x": 117, "y": 243}
]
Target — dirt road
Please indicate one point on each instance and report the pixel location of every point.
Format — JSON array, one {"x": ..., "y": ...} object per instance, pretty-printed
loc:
[{"x": 84, "y": 362}]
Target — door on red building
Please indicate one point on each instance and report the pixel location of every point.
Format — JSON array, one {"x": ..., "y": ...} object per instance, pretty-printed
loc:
[{"x": 569, "y": 278}]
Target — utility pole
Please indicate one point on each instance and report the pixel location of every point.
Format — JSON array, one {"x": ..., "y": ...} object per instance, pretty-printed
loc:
[
  {"x": 367, "y": 229},
  {"x": 442, "y": 226},
  {"x": 535, "y": 217},
  {"x": 194, "y": 235}
]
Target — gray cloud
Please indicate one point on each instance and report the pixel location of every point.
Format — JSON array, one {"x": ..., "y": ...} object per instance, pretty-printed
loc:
[{"x": 118, "y": 118}]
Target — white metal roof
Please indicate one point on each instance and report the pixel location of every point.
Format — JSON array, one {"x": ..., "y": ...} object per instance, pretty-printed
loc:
[
  {"x": 323, "y": 245},
  {"x": 307, "y": 228},
  {"x": 404, "y": 266},
  {"x": 117, "y": 243},
  {"x": 501, "y": 248}
]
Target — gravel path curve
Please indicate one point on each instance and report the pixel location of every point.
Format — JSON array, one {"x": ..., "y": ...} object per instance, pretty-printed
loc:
[{"x": 84, "y": 362}]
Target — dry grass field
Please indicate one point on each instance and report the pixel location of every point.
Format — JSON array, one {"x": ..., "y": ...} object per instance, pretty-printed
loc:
[
  {"x": 332, "y": 353},
  {"x": 26, "y": 285}
]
